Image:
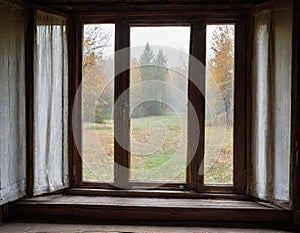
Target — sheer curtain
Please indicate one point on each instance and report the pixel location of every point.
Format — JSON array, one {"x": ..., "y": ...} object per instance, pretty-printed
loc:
[
  {"x": 271, "y": 104},
  {"x": 261, "y": 104},
  {"x": 50, "y": 107},
  {"x": 12, "y": 104}
]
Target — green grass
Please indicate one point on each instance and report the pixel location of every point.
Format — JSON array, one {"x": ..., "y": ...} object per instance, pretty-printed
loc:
[
  {"x": 218, "y": 162},
  {"x": 160, "y": 165}
]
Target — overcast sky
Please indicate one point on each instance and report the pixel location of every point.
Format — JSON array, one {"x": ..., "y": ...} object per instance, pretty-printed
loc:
[{"x": 176, "y": 37}]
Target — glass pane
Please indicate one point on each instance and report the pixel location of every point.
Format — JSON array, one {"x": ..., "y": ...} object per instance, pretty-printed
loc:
[
  {"x": 97, "y": 102},
  {"x": 158, "y": 103},
  {"x": 219, "y": 119}
]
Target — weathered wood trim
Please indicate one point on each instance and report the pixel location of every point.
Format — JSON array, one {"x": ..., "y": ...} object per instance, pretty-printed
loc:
[
  {"x": 30, "y": 143},
  {"x": 134, "y": 185},
  {"x": 76, "y": 108},
  {"x": 295, "y": 124},
  {"x": 158, "y": 216},
  {"x": 158, "y": 13},
  {"x": 250, "y": 35},
  {"x": 121, "y": 110},
  {"x": 196, "y": 96},
  {"x": 219, "y": 188},
  {"x": 240, "y": 91},
  {"x": 138, "y": 2},
  {"x": 147, "y": 210},
  {"x": 147, "y": 7},
  {"x": 71, "y": 68}
]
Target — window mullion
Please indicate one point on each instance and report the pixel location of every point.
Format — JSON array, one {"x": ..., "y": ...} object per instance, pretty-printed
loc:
[
  {"x": 240, "y": 109},
  {"x": 76, "y": 152},
  {"x": 197, "y": 104},
  {"x": 121, "y": 113}
]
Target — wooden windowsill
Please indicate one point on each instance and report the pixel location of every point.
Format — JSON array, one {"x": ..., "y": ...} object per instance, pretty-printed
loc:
[{"x": 146, "y": 210}]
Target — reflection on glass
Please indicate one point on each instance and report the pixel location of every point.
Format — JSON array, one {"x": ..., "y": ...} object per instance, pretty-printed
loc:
[
  {"x": 158, "y": 103},
  {"x": 219, "y": 119},
  {"x": 97, "y": 103}
]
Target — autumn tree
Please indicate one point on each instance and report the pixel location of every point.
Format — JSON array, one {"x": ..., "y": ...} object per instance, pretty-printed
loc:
[
  {"x": 95, "y": 40},
  {"x": 221, "y": 67}
]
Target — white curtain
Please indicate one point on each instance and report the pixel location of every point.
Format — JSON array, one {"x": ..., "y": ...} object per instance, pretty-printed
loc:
[
  {"x": 260, "y": 102},
  {"x": 50, "y": 106},
  {"x": 12, "y": 104},
  {"x": 271, "y": 104}
]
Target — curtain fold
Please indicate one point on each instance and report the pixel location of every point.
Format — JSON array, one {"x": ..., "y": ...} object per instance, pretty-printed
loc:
[
  {"x": 12, "y": 104},
  {"x": 50, "y": 107}
]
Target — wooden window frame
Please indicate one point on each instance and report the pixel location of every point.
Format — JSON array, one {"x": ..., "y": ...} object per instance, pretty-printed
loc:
[{"x": 198, "y": 22}]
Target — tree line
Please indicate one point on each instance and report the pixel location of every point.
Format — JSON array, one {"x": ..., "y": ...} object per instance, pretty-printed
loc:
[{"x": 154, "y": 66}]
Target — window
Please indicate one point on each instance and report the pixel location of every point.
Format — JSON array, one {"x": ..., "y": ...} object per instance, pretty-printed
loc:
[
  {"x": 146, "y": 120},
  {"x": 219, "y": 108},
  {"x": 158, "y": 103},
  {"x": 97, "y": 103}
]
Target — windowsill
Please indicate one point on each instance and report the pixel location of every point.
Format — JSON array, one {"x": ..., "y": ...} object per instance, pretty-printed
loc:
[{"x": 146, "y": 210}]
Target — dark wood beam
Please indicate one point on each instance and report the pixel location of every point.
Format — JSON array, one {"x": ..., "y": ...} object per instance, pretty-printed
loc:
[
  {"x": 146, "y": 5},
  {"x": 49, "y": 2}
]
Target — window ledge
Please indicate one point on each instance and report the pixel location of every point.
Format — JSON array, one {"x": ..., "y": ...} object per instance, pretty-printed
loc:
[{"x": 185, "y": 211}]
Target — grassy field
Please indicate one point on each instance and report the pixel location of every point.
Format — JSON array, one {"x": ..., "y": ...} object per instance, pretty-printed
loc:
[
  {"x": 158, "y": 152},
  {"x": 161, "y": 135}
]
